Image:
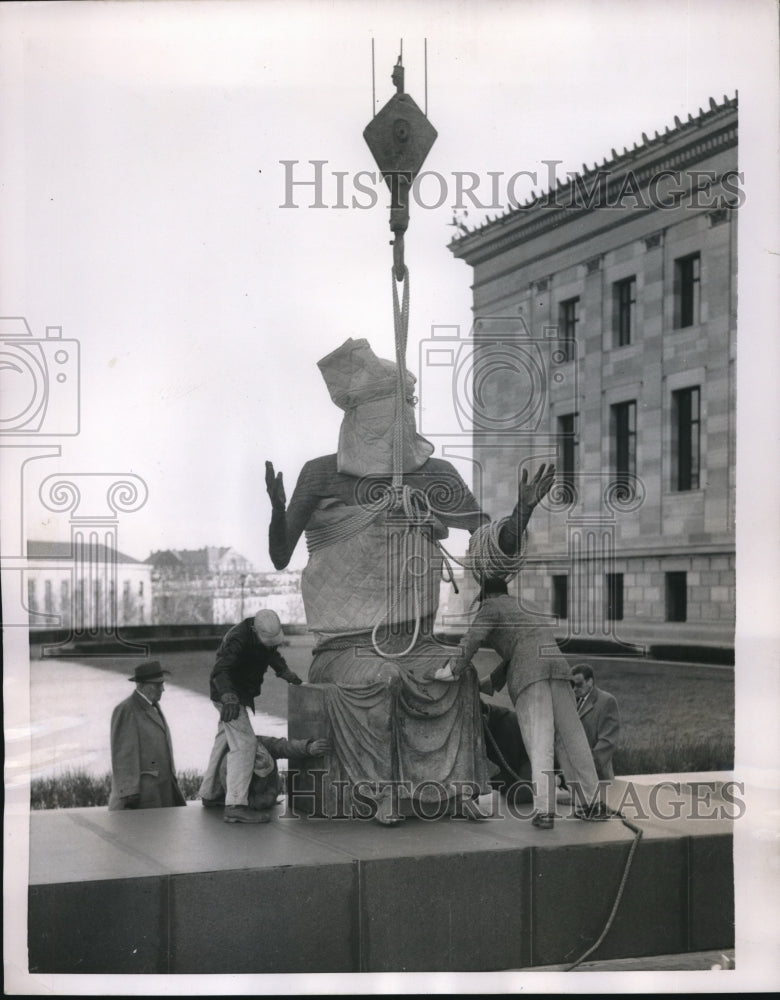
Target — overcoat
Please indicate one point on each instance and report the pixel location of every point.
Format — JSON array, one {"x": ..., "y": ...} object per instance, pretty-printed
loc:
[{"x": 142, "y": 757}]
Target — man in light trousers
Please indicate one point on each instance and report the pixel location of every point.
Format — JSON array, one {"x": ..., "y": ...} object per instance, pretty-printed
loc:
[
  {"x": 538, "y": 682},
  {"x": 243, "y": 657}
]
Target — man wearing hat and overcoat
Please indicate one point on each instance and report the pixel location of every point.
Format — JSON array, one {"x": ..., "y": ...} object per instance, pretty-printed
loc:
[
  {"x": 244, "y": 655},
  {"x": 142, "y": 771}
]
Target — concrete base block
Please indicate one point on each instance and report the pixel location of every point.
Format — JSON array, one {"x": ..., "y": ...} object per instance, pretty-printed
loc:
[
  {"x": 114, "y": 925},
  {"x": 574, "y": 890},
  {"x": 273, "y": 920},
  {"x": 411, "y": 923},
  {"x": 307, "y": 778},
  {"x": 179, "y": 891}
]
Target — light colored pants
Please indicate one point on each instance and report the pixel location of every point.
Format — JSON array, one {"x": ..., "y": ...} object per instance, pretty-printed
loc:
[
  {"x": 239, "y": 739},
  {"x": 549, "y": 724}
]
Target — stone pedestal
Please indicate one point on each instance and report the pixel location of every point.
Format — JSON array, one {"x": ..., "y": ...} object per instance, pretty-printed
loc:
[
  {"x": 307, "y": 777},
  {"x": 179, "y": 891}
]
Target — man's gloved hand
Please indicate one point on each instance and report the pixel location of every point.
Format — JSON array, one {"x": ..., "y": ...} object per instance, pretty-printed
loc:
[
  {"x": 316, "y": 748},
  {"x": 231, "y": 707},
  {"x": 131, "y": 801},
  {"x": 443, "y": 673},
  {"x": 290, "y": 676}
]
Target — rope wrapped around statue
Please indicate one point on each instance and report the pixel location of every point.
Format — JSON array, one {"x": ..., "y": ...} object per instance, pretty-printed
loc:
[{"x": 371, "y": 591}]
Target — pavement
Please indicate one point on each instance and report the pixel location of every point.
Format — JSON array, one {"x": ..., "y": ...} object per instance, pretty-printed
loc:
[
  {"x": 71, "y": 705},
  {"x": 695, "y": 961}
]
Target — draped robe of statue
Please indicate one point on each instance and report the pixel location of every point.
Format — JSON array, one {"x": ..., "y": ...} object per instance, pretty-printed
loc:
[{"x": 371, "y": 592}]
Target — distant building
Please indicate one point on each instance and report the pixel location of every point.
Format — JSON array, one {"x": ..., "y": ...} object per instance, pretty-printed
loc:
[
  {"x": 605, "y": 338},
  {"x": 195, "y": 563},
  {"x": 217, "y": 586},
  {"x": 86, "y": 588}
]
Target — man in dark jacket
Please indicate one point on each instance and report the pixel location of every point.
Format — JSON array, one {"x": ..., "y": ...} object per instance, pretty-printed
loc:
[
  {"x": 243, "y": 657},
  {"x": 142, "y": 771},
  {"x": 598, "y": 712}
]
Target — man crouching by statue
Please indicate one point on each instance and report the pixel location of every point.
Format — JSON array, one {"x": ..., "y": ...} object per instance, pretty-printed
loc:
[{"x": 374, "y": 515}]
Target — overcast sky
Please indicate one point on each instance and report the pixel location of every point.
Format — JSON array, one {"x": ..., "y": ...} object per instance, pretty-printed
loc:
[{"x": 142, "y": 184}]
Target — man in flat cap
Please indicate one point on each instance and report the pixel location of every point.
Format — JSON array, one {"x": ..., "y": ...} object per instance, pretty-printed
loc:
[
  {"x": 244, "y": 655},
  {"x": 142, "y": 771}
]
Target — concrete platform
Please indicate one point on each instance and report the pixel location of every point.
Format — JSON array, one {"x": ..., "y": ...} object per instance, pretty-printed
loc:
[{"x": 179, "y": 891}]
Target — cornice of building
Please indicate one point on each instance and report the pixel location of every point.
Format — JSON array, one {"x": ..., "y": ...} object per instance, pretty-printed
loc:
[
  {"x": 661, "y": 551},
  {"x": 66, "y": 551},
  {"x": 688, "y": 143}
]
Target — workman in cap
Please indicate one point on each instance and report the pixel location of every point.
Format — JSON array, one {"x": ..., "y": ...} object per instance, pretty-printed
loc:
[
  {"x": 142, "y": 771},
  {"x": 243, "y": 657}
]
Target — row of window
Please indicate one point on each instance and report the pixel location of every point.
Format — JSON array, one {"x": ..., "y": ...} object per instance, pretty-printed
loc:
[
  {"x": 676, "y": 596},
  {"x": 687, "y": 297},
  {"x": 686, "y": 441},
  {"x": 79, "y": 592}
]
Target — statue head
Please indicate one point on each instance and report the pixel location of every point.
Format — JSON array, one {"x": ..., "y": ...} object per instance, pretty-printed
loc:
[{"x": 366, "y": 387}]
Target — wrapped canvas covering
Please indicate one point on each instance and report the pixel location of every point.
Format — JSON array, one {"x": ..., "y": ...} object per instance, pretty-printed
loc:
[
  {"x": 365, "y": 386},
  {"x": 371, "y": 592}
]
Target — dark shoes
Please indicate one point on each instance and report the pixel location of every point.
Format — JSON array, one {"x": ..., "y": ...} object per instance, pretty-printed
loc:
[
  {"x": 243, "y": 814},
  {"x": 597, "y": 812},
  {"x": 543, "y": 821},
  {"x": 213, "y": 803},
  {"x": 386, "y": 815}
]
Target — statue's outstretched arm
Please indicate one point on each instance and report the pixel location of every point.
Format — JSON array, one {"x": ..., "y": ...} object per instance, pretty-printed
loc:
[
  {"x": 287, "y": 523},
  {"x": 528, "y": 496}
]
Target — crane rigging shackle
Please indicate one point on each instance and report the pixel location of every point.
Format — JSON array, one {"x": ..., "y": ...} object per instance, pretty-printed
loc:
[{"x": 400, "y": 138}]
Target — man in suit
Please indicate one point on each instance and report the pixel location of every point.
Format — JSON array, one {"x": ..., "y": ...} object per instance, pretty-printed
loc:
[
  {"x": 142, "y": 771},
  {"x": 598, "y": 712}
]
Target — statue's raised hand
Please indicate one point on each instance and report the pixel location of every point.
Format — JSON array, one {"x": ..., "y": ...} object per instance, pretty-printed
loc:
[
  {"x": 530, "y": 493},
  {"x": 274, "y": 483}
]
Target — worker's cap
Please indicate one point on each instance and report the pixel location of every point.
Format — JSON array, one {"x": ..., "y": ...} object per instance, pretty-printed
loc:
[
  {"x": 269, "y": 628},
  {"x": 151, "y": 672},
  {"x": 355, "y": 375}
]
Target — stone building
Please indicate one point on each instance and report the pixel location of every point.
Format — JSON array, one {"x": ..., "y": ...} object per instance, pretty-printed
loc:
[
  {"x": 605, "y": 340},
  {"x": 217, "y": 586},
  {"x": 87, "y": 588}
]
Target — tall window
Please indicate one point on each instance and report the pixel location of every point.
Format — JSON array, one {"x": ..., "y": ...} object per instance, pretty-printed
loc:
[
  {"x": 31, "y": 595},
  {"x": 48, "y": 597},
  {"x": 676, "y": 597},
  {"x": 127, "y": 601},
  {"x": 687, "y": 271},
  {"x": 96, "y": 612},
  {"x": 66, "y": 611},
  {"x": 568, "y": 318},
  {"x": 686, "y": 438},
  {"x": 624, "y": 311},
  {"x": 624, "y": 442},
  {"x": 560, "y": 596},
  {"x": 567, "y": 449},
  {"x": 614, "y": 597},
  {"x": 78, "y": 608}
]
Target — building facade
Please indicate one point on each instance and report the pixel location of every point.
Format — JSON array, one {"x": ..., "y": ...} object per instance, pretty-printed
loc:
[
  {"x": 85, "y": 588},
  {"x": 604, "y": 341},
  {"x": 218, "y": 586}
]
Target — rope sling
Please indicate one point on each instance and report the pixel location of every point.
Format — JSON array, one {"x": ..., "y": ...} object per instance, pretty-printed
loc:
[{"x": 485, "y": 555}]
